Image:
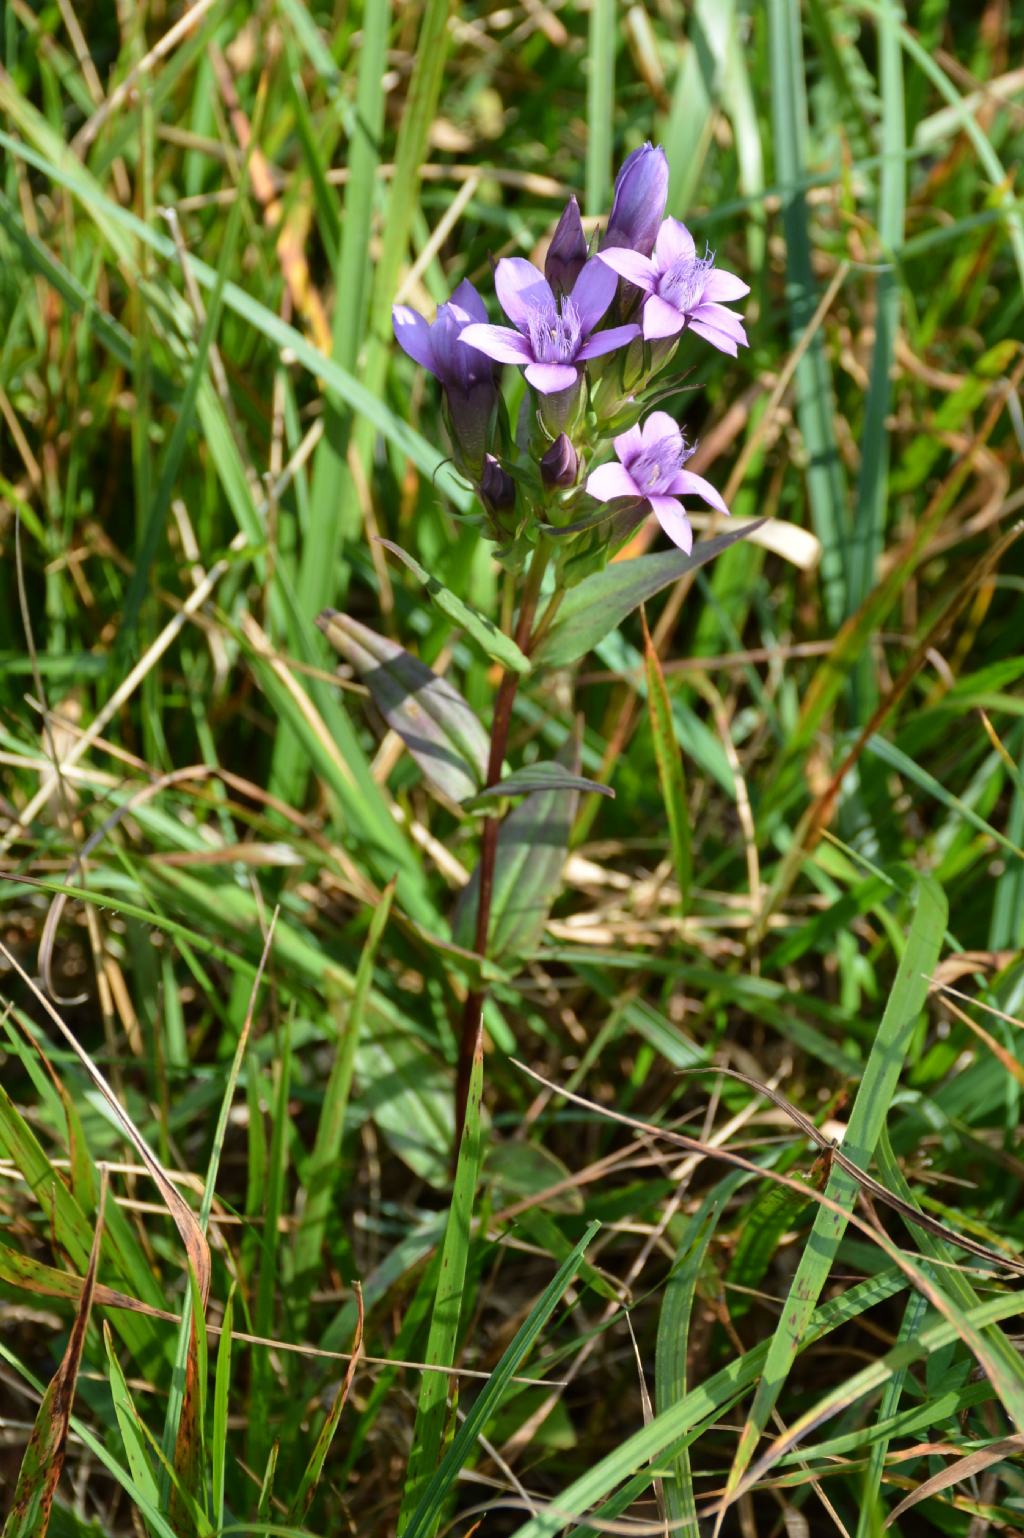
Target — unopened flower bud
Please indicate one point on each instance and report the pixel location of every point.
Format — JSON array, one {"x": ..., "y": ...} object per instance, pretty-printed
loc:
[
  {"x": 497, "y": 488},
  {"x": 560, "y": 466},
  {"x": 638, "y": 204},
  {"x": 567, "y": 252}
]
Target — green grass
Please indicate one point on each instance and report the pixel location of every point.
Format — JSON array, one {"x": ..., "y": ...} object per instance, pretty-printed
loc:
[{"x": 254, "y": 932}]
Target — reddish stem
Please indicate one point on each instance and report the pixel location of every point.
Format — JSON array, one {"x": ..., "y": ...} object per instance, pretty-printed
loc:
[{"x": 473, "y": 1009}]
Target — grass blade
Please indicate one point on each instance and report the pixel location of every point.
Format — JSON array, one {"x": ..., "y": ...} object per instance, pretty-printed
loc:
[
  {"x": 815, "y": 401},
  {"x": 872, "y": 481},
  {"x": 425, "y": 1518},
  {"x": 867, "y": 1120},
  {"x": 670, "y": 768},
  {"x": 600, "y": 104},
  {"x": 322, "y": 1170},
  {"x": 449, "y": 1302}
]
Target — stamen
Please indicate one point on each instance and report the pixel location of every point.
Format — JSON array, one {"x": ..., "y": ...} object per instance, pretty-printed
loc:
[
  {"x": 682, "y": 284},
  {"x": 555, "y": 337}
]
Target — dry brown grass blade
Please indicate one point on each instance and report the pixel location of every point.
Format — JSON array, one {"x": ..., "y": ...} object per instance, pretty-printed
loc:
[
  {"x": 41, "y": 1466},
  {"x": 314, "y": 1468},
  {"x": 1007, "y": 1059},
  {"x": 291, "y": 227},
  {"x": 43, "y": 1281},
  {"x": 956, "y": 1473},
  {"x": 869, "y": 1185}
]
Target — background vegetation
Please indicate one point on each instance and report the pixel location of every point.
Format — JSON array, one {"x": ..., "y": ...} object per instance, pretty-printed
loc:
[{"x": 204, "y": 220}]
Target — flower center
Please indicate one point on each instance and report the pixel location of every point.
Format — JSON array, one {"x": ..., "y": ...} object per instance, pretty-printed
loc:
[
  {"x": 555, "y": 334},
  {"x": 682, "y": 284},
  {"x": 655, "y": 469}
]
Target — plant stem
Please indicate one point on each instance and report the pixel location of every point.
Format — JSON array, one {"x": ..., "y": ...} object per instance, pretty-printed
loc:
[{"x": 473, "y": 1009}]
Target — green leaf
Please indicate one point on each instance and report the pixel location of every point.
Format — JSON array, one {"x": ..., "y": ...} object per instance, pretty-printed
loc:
[
  {"x": 518, "y": 1169},
  {"x": 431, "y": 717},
  {"x": 532, "y": 847},
  {"x": 602, "y": 601},
  {"x": 546, "y": 775},
  {"x": 486, "y": 635}
]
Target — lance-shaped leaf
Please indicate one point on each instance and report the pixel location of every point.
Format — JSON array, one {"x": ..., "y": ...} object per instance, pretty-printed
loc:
[
  {"x": 431, "y": 717},
  {"x": 546, "y": 775},
  {"x": 486, "y": 634},
  {"x": 532, "y": 847},
  {"x": 602, "y": 601}
]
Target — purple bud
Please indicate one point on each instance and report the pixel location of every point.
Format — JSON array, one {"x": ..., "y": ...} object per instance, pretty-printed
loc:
[
  {"x": 638, "y": 206},
  {"x": 497, "y": 488},
  {"x": 567, "y": 252},
  {"x": 560, "y": 466}
]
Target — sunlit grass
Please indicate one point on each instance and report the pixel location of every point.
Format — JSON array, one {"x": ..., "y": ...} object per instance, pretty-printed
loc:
[{"x": 204, "y": 430}]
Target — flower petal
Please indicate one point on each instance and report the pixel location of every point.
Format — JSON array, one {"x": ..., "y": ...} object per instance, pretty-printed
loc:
[
  {"x": 659, "y": 425},
  {"x": 607, "y": 341},
  {"x": 688, "y": 484},
  {"x": 724, "y": 286},
  {"x": 660, "y": 319},
  {"x": 549, "y": 378},
  {"x": 412, "y": 333},
  {"x": 522, "y": 291},
  {"x": 499, "y": 342},
  {"x": 674, "y": 244},
  {"x": 593, "y": 292},
  {"x": 722, "y": 319},
  {"x": 672, "y": 517},
  {"x": 629, "y": 444},
  {"x": 636, "y": 269},
  {"x": 716, "y": 338},
  {"x": 610, "y": 481},
  {"x": 467, "y": 298}
]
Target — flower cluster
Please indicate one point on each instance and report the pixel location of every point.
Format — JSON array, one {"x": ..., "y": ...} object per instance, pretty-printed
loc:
[{"x": 590, "y": 332}]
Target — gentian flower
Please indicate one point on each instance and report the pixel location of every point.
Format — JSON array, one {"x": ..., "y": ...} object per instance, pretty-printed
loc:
[
  {"x": 468, "y": 377},
  {"x": 683, "y": 289},
  {"x": 638, "y": 203},
  {"x": 552, "y": 337},
  {"x": 650, "y": 467},
  {"x": 567, "y": 253}
]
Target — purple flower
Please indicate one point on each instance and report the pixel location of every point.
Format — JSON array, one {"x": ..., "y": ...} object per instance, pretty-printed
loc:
[
  {"x": 650, "y": 467},
  {"x": 638, "y": 203},
  {"x": 567, "y": 252},
  {"x": 468, "y": 377},
  {"x": 683, "y": 289},
  {"x": 433, "y": 346},
  {"x": 552, "y": 337}
]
